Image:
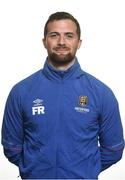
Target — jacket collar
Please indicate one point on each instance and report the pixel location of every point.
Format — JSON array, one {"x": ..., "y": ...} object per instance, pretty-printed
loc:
[{"x": 58, "y": 75}]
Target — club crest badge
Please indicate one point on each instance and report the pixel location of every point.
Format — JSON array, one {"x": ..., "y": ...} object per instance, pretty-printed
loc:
[
  {"x": 83, "y": 105},
  {"x": 83, "y": 100}
]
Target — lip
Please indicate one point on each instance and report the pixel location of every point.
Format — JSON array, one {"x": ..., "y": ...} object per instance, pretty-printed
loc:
[{"x": 61, "y": 50}]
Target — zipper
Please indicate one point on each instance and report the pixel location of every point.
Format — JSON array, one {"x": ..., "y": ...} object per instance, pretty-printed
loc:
[{"x": 59, "y": 121}]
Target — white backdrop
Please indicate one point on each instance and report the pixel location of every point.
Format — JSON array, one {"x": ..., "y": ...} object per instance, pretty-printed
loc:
[{"x": 102, "y": 53}]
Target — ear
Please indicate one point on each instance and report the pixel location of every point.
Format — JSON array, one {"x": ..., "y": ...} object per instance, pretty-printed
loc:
[
  {"x": 44, "y": 42},
  {"x": 79, "y": 44}
]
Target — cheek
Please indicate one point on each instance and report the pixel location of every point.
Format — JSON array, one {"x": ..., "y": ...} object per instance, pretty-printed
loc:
[
  {"x": 74, "y": 48},
  {"x": 50, "y": 44}
]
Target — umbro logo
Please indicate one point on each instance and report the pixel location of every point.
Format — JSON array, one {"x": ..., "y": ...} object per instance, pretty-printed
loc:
[
  {"x": 37, "y": 101},
  {"x": 38, "y": 107}
]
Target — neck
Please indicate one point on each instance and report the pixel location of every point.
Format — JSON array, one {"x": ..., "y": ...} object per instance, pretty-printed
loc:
[{"x": 61, "y": 67}]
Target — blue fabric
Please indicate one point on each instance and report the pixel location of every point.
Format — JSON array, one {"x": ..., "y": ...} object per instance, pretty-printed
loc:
[{"x": 62, "y": 125}]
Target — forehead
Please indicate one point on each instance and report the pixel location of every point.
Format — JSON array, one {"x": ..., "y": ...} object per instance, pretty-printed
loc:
[{"x": 65, "y": 25}]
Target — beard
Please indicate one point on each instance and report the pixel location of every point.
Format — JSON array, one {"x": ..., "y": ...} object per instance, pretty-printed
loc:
[{"x": 62, "y": 59}]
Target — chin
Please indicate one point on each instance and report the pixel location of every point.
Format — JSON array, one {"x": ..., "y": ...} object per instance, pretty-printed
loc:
[{"x": 61, "y": 59}]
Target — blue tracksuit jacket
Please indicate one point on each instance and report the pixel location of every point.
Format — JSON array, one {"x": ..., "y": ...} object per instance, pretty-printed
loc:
[{"x": 62, "y": 125}]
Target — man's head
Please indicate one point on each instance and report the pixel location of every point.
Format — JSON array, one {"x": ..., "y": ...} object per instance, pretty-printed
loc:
[
  {"x": 61, "y": 16},
  {"x": 61, "y": 38}
]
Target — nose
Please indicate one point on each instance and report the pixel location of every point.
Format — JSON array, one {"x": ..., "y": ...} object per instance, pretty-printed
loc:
[{"x": 61, "y": 40}]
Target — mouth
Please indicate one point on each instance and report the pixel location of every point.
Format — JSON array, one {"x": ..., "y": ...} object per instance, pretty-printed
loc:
[{"x": 61, "y": 50}]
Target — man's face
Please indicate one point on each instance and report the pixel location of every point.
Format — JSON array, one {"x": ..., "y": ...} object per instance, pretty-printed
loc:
[{"x": 61, "y": 41}]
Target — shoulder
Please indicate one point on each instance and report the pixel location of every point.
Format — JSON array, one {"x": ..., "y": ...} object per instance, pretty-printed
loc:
[
  {"x": 30, "y": 79},
  {"x": 98, "y": 87},
  {"x": 103, "y": 95},
  {"x": 95, "y": 82},
  {"x": 27, "y": 84}
]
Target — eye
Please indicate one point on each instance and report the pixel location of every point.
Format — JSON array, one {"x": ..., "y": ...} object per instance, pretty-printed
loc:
[
  {"x": 69, "y": 35},
  {"x": 53, "y": 35}
]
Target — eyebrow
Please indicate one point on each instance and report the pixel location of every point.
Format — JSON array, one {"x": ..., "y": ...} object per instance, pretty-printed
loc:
[{"x": 55, "y": 32}]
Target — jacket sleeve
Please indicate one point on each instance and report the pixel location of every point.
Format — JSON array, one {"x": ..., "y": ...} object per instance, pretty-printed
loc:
[
  {"x": 111, "y": 132},
  {"x": 12, "y": 128}
]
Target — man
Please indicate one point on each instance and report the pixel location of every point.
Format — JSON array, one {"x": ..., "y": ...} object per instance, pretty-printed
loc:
[{"x": 61, "y": 122}]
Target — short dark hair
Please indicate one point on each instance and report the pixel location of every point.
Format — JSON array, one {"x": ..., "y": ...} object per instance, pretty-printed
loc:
[{"x": 60, "y": 16}]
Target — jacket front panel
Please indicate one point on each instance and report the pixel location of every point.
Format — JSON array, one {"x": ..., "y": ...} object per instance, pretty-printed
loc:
[
  {"x": 53, "y": 122},
  {"x": 61, "y": 130}
]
